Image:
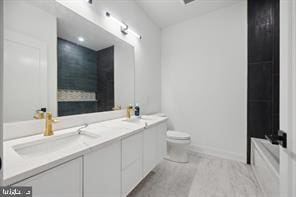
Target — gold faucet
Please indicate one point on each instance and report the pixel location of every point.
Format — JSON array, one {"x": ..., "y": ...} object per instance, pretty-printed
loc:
[
  {"x": 48, "y": 131},
  {"x": 129, "y": 111}
]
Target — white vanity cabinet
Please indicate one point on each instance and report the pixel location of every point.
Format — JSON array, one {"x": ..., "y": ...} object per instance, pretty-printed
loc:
[
  {"x": 132, "y": 162},
  {"x": 113, "y": 169},
  {"x": 102, "y": 172},
  {"x": 63, "y": 181}
]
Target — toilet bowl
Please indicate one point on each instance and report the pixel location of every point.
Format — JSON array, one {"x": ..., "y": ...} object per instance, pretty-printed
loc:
[{"x": 177, "y": 143}]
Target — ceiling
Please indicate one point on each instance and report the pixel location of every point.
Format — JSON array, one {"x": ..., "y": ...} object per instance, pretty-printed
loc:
[{"x": 169, "y": 12}]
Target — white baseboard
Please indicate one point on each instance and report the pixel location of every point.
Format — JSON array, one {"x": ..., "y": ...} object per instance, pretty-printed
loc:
[{"x": 217, "y": 153}]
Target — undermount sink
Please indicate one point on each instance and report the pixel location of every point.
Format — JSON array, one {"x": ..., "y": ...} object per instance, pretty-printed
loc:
[{"x": 53, "y": 144}]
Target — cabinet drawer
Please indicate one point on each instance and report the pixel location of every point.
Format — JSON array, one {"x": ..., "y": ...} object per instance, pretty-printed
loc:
[{"x": 131, "y": 149}]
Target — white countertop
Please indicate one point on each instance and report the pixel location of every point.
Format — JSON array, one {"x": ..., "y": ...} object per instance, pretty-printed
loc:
[{"x": 17, "y": 168}]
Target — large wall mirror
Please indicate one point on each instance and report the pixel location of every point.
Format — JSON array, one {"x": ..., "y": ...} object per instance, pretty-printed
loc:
[{"x": 62, "y": 63}]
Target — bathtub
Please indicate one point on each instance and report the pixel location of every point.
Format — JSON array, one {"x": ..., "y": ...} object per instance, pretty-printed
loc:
[{"x": 265, "y": 163}]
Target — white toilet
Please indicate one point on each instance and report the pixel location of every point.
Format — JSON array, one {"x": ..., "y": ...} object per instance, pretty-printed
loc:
[{"x": 177, "y": 143}]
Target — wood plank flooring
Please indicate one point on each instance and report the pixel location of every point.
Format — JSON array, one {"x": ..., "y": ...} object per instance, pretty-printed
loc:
[{"x": 203, "y": 176}]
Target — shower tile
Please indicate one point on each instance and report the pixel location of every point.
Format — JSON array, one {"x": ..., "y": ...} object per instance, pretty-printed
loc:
[
  {"x": 259, "y": 118},
  {"x": 260, "y": 81}
]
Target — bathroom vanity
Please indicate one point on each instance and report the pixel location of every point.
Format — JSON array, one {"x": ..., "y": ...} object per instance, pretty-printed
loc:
[{"x": 106, "y": 159}]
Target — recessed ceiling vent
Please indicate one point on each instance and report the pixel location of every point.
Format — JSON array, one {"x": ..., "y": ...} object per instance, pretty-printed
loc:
[{"x": 187, "y": 1}]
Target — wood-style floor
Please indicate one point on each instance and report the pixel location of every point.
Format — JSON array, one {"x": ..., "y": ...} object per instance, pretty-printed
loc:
[{"x": 203, "y": 176}]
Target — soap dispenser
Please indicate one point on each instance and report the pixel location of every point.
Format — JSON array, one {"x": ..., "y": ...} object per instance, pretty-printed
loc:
[{"x": 137, "y": 110}]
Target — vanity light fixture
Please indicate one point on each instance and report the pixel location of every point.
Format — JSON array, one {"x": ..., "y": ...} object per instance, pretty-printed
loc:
[
  {"x": 134, "y": 33},
  {"x": 80, "y": 39},
  {"x": 120, "y": 23},
  {"x": 123, "y": 27}
]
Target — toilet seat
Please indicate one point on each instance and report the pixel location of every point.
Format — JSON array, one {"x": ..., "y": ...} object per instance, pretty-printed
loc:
[
  {"x": 177, "y": 135},
  {"x": 178, "y": 142}
]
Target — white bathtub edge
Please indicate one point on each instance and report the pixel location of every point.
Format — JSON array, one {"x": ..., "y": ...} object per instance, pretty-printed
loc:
[
  {"x": 264, "y": 166},
  {"x": 271, "y": 162}
]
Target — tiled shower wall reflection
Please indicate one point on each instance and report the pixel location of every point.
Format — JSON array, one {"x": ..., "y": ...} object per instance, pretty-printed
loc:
[
  {"x": 79, "y": 71},
  {"x": 75, "y": 95}
]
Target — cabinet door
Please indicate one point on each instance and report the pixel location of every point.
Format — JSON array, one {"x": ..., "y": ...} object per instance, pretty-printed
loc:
[
  {"x": 132, "y": 149},
  {"x": 150, "y": 149},
  {"x": 131, "y": 177},
  {"x": 162, "y": 144},
  {"x": 102, "y": 172},
  {"x": 154, "y": 146},
  {"x": 63, "y": 181}
]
